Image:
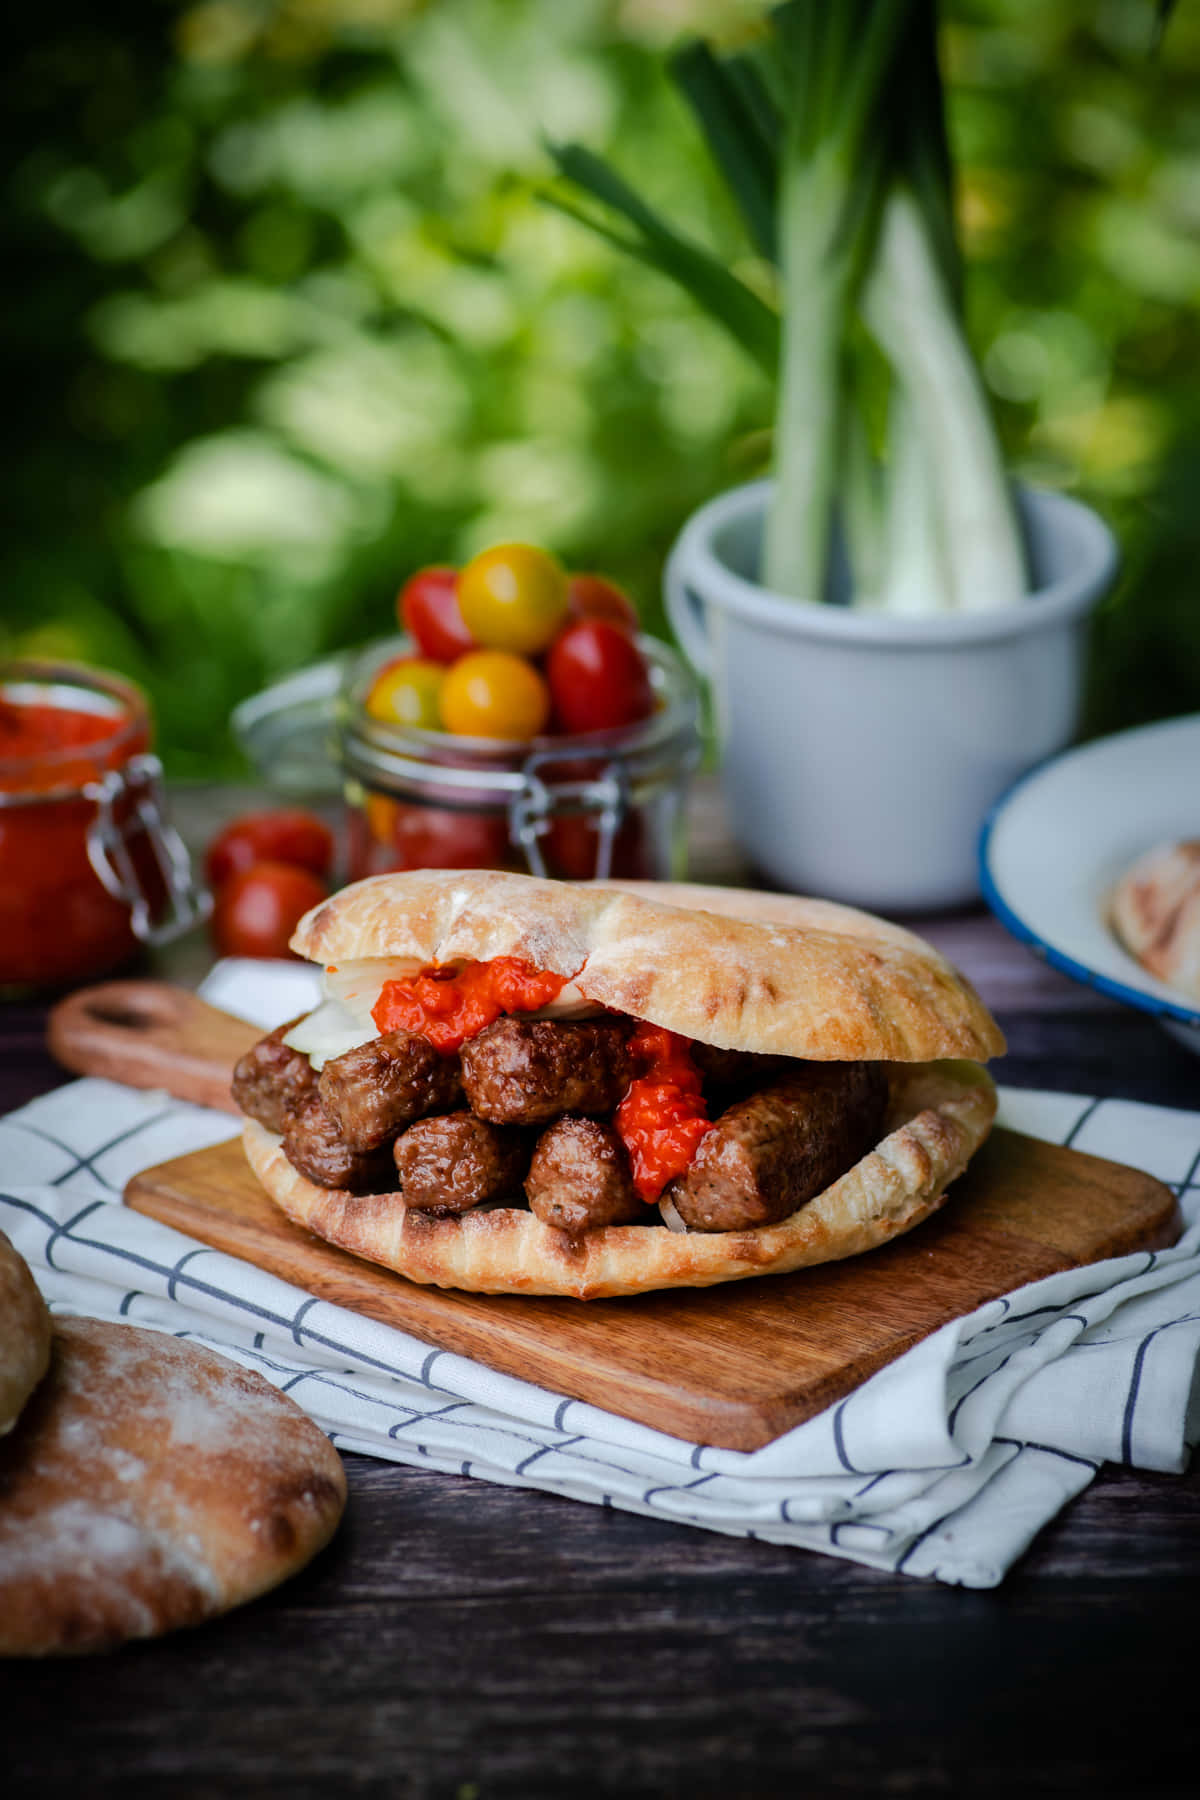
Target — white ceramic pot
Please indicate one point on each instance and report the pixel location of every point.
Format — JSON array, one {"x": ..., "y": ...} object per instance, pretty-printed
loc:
[{"x": 860, "y": 751}]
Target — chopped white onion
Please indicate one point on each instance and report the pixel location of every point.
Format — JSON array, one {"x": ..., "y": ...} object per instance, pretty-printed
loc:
[
  {"x": 330, "y": 1031},
  {"x": 569, "y": 1004},
  {"x": 357, "y": 983},
  {"x": 670, "y": 1217}
]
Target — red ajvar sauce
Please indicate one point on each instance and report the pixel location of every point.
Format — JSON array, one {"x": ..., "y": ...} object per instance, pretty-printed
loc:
[
  {"x": 60, "y": 728},
  {"x": 36, "y": 734},
  {"x": 450, "y": 1003},
  {"x": 663, "y": 1117}
]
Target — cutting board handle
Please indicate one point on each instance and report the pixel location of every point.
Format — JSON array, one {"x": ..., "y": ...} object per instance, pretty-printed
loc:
[{"x": 149, "y": 1034}]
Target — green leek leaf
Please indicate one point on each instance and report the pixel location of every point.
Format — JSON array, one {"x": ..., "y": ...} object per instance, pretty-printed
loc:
[
  {"x": 734, "y": 119},
  {"x": 652, "y": 241}
]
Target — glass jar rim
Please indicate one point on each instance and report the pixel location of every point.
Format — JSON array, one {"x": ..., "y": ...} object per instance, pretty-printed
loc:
[{"x": 130, "y": 718}]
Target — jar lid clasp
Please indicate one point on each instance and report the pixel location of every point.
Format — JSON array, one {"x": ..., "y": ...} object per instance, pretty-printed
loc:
[
  {"x": 109, "y": 838},
  {"x": 533, "y": 810}
]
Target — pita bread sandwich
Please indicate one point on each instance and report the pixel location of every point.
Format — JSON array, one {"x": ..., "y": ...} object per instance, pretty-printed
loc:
[{"x": 597, "y": 1089}]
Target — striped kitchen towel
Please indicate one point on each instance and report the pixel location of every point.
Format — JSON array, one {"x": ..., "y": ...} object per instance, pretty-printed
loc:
[{"x": 945, "y": 1463}]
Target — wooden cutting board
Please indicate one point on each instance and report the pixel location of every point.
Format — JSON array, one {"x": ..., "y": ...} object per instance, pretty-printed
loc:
[{"x": 734, "y": 1365}]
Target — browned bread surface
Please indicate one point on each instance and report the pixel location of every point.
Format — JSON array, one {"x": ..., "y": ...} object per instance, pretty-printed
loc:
[
  {"x": 151, "y": 1484},
  {"x": 826, "y": 982},
  {"x": 24, "y": 1335}
]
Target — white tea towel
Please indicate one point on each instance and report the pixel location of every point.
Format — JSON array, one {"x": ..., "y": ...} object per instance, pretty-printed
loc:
[{"x": 946, "y": 1463}]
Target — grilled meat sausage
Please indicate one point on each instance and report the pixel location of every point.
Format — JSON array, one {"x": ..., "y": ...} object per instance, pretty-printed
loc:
[
  {"x": 313, "y": 1144},
  {"x": 529, "y": 1071},
  {"x": 770, "y": 1153},
  {"x": 377, "y": 1089},
  {"x": 455, "y": 1161},
  {"x": 271, "y": 1079},
  {"x": 580, "y": 1178}
]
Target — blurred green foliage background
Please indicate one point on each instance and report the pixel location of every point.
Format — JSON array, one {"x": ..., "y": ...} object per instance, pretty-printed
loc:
[{"x": 286, "y": 319}]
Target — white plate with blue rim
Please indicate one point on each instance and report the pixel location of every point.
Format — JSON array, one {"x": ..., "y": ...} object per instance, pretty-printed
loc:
[{"x": 1055, "y": 846}]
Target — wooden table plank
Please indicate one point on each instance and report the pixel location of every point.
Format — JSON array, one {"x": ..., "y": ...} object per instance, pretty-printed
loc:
[{"x": 461, "y": 1640}]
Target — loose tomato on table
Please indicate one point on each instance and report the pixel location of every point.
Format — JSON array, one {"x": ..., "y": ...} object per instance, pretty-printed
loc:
[
  {"x": 595, "y": 597},
  {"x": 408, "y": 692},
  {"x": 598, "y": 678},
  {"x": 285, "y": 834},
  {"x": 427, "y": 607},
  {"x": 513, "y": 597},
  {"x": 494, "y": 694},
  {"x": 258, "y": 908}
]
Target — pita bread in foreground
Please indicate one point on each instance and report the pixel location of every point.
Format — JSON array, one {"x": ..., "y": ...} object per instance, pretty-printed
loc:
[
  {"x": 24, "y": 1335},
  {"x": 1155, "y": 912},
  {"x": 585, "y": 1089},
  {"x": 151, "y": 1484}
]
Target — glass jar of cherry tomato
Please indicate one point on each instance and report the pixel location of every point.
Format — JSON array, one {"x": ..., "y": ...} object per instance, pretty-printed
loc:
[
  {"x": 594, "y": 803},
  {"x": 573, "y": 806},
  {"x": 89, "y": 865}
]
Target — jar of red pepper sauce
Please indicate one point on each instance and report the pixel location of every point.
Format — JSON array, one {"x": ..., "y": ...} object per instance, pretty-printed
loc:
[{"x": 89, "y": 865}]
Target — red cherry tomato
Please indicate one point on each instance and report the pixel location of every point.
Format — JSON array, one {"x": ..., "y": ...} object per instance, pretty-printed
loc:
[
  {"x": 427, "y": 607},
  {"x": 572, "y": 844},
  {"x": 258, "y": 908},
  {"x": 595, "y": 597},
  {"x": 406, "y": 836},
  {"x": 284, "y": 835},
  {"x": 598, "y": 678}
]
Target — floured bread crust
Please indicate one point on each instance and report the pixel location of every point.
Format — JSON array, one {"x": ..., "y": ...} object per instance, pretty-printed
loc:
[
  {"x": 1155, "y": 911},
  {"x": 24, "y": 1335},
  {"x": 829, "y": 983},
  {"x": 151, "y": 1484},
  {"x": 938, "y": 1116}
]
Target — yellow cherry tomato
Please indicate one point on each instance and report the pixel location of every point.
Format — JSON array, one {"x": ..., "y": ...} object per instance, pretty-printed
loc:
[
  {"x": 407, "y": 692},
  {"x": 491, "y": 693},
  {"x": 381, "y": 813},
  {"x": 513, "y": 597}
]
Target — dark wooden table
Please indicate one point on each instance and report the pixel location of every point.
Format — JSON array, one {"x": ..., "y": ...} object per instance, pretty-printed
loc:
[{"x": 479, "y": 1642}]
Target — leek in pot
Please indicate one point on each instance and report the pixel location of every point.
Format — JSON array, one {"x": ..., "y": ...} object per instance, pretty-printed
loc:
[{"x": 894, "y": 634}]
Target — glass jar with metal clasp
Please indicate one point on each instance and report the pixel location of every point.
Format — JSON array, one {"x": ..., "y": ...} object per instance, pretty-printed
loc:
[
  {"x": 600, "y": 804},
  {"x": 90, "y": 865}
]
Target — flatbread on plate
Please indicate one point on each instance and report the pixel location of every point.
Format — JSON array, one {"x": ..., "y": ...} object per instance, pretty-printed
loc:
[{"x": 1155, "y": 911}]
